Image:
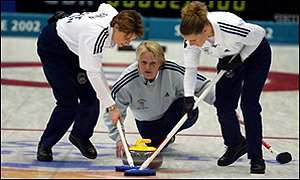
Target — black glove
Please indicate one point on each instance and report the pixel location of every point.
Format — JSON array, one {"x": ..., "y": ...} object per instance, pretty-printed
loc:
[
  {"x": 188, "y": 104},
  {"x": 230, "y": 65},
  {"x": 58, "y": 15}
]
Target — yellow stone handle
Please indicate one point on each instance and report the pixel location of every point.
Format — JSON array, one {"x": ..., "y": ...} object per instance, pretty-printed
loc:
[{"x": 142, "y": 142}]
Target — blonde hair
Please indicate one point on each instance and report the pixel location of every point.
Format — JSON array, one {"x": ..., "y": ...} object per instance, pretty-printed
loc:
[
  {"x": 193, "y": 18},
  {"x": 152, "y": 47},
  {"x": 129, "y": 21}
]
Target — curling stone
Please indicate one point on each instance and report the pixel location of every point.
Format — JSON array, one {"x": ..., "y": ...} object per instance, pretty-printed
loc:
[{"x": 140, "y": 153}]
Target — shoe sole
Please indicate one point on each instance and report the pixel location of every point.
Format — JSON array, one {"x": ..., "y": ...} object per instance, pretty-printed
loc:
[
  {"x": 257, "y": 173},
  {"x": 75, "y": 143},
  {"x": 44, "y": 159}
]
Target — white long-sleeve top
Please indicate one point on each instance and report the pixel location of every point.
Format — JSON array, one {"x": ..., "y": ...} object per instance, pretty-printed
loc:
[
  {"x": 87, "y": 35},
  {"x": 231, "y": 34}
]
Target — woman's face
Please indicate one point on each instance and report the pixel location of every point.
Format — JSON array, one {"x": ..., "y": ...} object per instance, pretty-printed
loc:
[
  {"x": 149, "y": 65},
  {"x": 121, "y": 38},
  {"x": 196, "y": 39},
  {"x": 199, "y": 39}
]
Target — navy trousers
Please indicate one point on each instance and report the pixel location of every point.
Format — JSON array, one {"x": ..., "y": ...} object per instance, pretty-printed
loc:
[
  {"x": 247, "y": 83},
  {"x": 158, "y": 130},
  {"x": 76, "y": 99}
]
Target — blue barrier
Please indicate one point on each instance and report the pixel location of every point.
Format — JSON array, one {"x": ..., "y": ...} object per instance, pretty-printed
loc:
[
  {"x": 30, "y": 25},
  {"x": 280, "y": 32},
  {"x": 22, "y": 24},
  {"x": 163, "y": 28}
]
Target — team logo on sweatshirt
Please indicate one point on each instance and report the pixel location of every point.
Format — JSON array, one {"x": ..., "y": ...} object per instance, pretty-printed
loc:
[{"x": 141, "y": 104}]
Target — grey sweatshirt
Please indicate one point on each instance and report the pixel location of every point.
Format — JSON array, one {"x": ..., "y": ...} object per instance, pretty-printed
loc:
[{"x": 149, "y": 101}]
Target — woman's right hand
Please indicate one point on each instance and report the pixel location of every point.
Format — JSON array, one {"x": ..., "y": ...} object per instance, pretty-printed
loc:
[
  {"x": 114, "y": 115},
  {"x": 119, "y": 149}
]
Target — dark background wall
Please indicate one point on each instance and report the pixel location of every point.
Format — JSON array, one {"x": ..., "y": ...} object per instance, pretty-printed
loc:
[{"x": 267, "y": 10}]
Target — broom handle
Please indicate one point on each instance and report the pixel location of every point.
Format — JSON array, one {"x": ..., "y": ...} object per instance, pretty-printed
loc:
[
  {"x": 269, "y": 147},
  {"x": 128, "y": 155},
  {"x": 182, "y": 120}
]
